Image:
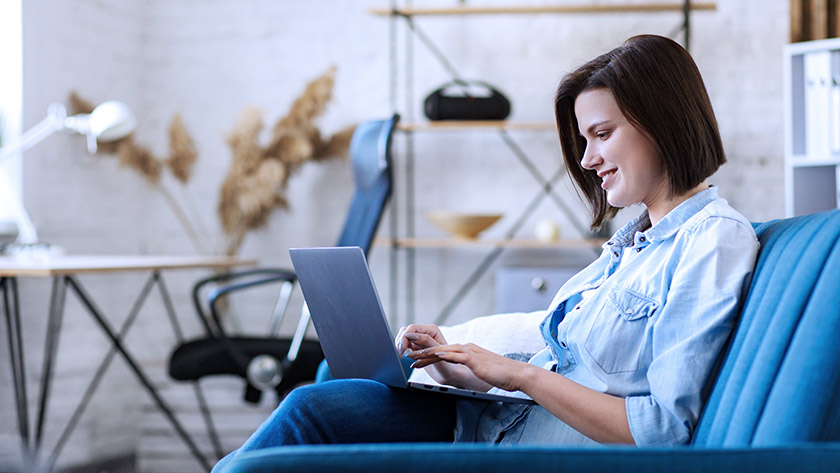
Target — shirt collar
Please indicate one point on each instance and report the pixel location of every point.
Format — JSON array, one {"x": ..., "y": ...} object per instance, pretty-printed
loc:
[{"x": 666, "y": 227}]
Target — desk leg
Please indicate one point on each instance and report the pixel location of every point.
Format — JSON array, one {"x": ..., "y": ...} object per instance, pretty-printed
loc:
[
  {"x": 100, "y": 371},
  {"x": 50, "y": 349},
  {"x": 115, "y": 340},
  {"x": 199, "y": 394},
  {"x": 11, "y": 308}
]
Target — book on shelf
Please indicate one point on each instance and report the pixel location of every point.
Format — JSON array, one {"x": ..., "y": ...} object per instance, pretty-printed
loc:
[
  {"x": 834, "y": 104},
  {"x": 818, "y": 110}
]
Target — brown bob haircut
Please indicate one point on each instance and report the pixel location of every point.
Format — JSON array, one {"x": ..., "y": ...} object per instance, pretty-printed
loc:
[{"x": 659, "y": 90}]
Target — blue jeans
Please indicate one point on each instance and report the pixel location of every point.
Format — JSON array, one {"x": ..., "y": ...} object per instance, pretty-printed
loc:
[{"x": 353, "y": 411}]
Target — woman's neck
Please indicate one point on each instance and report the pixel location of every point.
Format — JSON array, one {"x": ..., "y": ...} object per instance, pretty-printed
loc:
[{"x": 659, "y": 210}]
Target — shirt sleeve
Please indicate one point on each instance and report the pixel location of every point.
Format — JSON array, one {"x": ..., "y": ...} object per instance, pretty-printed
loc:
[{"x": 691, "y": 328}]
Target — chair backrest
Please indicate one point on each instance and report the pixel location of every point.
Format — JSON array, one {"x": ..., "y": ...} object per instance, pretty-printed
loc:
[
  {"x": 370, "y": 152},
  {"x": 780, "y": 382}
]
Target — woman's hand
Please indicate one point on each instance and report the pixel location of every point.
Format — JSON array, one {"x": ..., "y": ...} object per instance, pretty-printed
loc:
[
  {"x": 414, "y": 339},
  {"x": 418, "y": 337},
  {"x": 491, "y": 368}
]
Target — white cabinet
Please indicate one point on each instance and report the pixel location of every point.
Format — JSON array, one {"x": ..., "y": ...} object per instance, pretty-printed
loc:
[
  {"x": 526, "y": 289},
  {"x": 812, "y": 126}
]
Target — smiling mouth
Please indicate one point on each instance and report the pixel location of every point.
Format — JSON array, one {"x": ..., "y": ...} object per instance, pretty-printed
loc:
[{"x": 606, "y": 178}]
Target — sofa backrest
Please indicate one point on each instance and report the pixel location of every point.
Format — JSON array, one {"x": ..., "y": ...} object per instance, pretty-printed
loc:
[{"x": 780, "y": 380}]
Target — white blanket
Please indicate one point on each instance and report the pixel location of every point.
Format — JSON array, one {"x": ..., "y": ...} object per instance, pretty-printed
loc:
[{"x": 516, "y": 332}]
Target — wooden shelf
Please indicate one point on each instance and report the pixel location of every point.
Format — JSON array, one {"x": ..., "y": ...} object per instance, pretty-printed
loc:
[
  {"x": 805, "y": 161},
  {"x": 485, "y": 243},
  {"x": 476, "y": 10},
  {"x": 454, "y": 125}
]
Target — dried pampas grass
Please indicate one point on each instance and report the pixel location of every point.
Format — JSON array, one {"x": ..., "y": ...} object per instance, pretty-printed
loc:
[
  {"x": 244, "y": 140},
  {"x": 140, "y": 159},
  {"x": 256, "y": 182},
  {"x": 310, "y": 105},
  {"x": 183, "y": 154},
  {"x": 181, "y": 161},
  {"x": 336, "y": 145}
]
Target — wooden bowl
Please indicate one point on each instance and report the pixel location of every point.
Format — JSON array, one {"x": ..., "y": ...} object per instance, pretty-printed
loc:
[{"x": 462, "y": 225}]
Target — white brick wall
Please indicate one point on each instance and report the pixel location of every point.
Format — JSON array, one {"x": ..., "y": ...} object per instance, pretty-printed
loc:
[{"x": 209, "y": 59}]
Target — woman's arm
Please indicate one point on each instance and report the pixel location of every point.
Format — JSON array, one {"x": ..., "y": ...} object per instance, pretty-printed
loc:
[
  {"x": 599, "y": 416},
  {"x": 688, "y": 334}
]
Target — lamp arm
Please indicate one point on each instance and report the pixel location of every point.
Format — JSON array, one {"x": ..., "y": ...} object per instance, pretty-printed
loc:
[
  {"x": 26, "y": 231},
  {"x": 111, "y": 120},
  {"x": 54, "y": 121}
]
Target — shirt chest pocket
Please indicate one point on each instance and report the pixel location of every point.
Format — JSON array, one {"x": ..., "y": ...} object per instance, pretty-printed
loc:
[{"x": 618, "y": 336}]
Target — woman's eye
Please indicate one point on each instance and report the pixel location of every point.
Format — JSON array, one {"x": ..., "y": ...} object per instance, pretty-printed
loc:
[{"x": 602, "y": 134}]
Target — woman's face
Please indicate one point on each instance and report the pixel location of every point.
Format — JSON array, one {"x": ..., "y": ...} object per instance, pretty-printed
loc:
[{"x": 624, "y": 157}]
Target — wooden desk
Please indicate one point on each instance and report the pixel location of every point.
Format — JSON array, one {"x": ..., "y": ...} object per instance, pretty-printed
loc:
[
  {"x": 64, "y": 271},
  {"x": 78, "y": 264}
]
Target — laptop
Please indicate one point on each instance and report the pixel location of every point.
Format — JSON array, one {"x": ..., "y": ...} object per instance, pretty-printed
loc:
[{"x": 351, "y": 324}]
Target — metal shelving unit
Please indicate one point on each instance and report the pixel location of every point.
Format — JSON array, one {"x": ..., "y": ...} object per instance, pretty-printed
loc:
[{"x": 405, "y": 240}]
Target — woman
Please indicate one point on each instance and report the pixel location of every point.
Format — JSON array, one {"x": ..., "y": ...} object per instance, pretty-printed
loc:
[{"x": 632, "y": 339}]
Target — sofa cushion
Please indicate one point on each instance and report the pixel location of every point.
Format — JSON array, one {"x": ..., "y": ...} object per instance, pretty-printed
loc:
[{"x": 779, "y": 381}]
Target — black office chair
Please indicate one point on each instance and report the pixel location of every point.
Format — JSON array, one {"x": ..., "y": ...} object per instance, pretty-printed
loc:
[{"x": 269, "y": 362}]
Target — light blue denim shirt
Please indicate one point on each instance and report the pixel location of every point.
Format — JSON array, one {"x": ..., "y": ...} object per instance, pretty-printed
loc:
[{"x": 650, "y": 328}]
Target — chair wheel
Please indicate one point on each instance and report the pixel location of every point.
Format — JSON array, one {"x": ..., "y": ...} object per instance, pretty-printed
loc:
[{"x": 265, "y": 372}]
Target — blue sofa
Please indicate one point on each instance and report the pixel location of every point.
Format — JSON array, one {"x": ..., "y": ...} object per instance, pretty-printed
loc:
[{"x": 775, "y": 406}]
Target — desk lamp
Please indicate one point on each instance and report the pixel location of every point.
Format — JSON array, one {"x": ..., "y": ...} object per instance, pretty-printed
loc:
[{"x": 109, "y": 121}]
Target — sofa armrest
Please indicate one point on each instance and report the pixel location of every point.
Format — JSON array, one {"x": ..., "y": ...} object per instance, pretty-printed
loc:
[{"x": 466, "y": 458}]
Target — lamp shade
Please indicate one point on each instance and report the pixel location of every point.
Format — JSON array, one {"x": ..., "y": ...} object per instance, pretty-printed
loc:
[{"x": 111, "y": 120}]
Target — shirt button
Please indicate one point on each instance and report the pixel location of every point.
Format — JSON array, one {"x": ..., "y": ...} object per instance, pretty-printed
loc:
[
  {"x": 563, "y": 344},
  {"x": 641, "y": 238},
  {"x": 577, "y": 308},
  {"x": 615, "y": 253},
  {"x": 638, "y": 250},
  {"x": 629, "y": 311},
  {"x": 609, "y": 243}
]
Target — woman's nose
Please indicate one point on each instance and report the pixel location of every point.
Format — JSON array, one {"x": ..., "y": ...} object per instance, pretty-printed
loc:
[{"x": 590, "y": 158}]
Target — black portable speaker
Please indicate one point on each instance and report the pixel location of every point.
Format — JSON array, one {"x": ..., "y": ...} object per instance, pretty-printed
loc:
[{"x": 466, "y": 100}]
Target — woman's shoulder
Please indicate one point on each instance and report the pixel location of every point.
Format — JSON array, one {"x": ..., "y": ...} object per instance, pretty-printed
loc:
[{"x": 718, "y": 217}]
